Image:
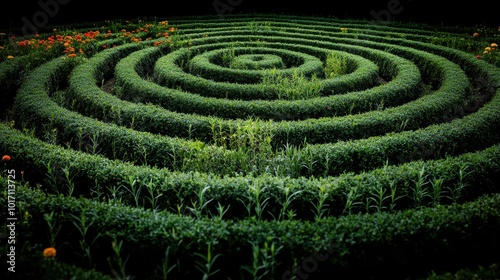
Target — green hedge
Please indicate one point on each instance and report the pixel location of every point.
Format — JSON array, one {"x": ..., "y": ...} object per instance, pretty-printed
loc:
[
  {"x": 376, "y": 245},
  {"x": 352, "y": 162},
  {"x": 395, "y": 144},
  {"x": 400, "y": 90},
  {"x": 92, "y": 173},
  {"x": 141, "y": 88}
]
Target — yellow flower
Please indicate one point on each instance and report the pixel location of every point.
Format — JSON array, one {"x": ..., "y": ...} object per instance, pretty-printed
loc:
[
  {"x": 494, "y": 45},
  {"x": 49, "y": 252},
  {"x": 10, "y": 57},
  {"x": 487, "y": 49}
]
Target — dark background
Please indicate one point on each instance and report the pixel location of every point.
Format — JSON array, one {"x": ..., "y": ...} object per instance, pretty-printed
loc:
[{"x": 75, "y": 11}]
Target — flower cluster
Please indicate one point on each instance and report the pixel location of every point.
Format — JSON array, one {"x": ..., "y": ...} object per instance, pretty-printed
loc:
[
  {"x": 69, "y": 44},
  {"x": 74, "y": 44},
  {"x": 490, "y": 53},
  {"x": 490, "y": 49}
]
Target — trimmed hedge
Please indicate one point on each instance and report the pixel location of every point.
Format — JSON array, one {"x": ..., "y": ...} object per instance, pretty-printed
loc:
[
  {"x": 376, "y": 245},
  {"x": 180, "y": 188},
  {"x": 404, "y": 145}
]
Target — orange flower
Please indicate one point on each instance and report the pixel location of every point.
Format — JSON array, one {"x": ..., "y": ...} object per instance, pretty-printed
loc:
[
  {"x": 49, "y": 252},
  {"x": 6, "y": 158},
  {"x": 72, "y": 55},
  {"x": 475, "y": 34}
]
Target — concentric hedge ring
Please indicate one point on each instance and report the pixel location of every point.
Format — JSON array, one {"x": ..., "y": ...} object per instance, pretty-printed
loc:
[
  {"x": 210, "y": 64},
  {"x": 267, "y": 141},
  {"x": 258, "y": 61}
]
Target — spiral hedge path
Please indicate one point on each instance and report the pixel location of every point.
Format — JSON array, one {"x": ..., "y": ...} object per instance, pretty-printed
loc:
[{"x": 261, "y": 147}]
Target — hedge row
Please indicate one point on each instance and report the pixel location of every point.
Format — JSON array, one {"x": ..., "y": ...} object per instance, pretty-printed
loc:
[
  {"x": 163, "y": 155},
  {"x": 209, "y": 64},
  {"x": 35, "y": 110},
  {"x": 91, "y": 172},
  {"x": 280, "y": 22},
  {"x": 400, "y": 90},
  {"x": 169, "y": 71},
  {"x": 10, "y": 79},
  {"x": 376, "y": 245},
  {"x": 142, "y": 88}
]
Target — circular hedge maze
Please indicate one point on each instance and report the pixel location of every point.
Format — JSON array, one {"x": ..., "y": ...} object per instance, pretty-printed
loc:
[{"x": 253, "y": 147}]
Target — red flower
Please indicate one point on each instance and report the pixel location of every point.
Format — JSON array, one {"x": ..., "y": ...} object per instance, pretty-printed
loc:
[{"x": 478, "y": 56}]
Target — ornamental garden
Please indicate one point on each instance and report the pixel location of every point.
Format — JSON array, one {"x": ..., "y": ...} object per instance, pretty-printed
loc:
[{"x": 251, "y": 147}]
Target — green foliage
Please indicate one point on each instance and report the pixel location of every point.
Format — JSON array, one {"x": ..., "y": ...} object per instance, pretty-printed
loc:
[
  {"x": 490, "y": 271},
  {"x": 294, "y": 87},
  {"x": 336, "y": 65}
]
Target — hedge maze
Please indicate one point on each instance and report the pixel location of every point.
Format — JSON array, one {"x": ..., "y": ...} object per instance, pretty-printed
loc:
[{"x": 256, "y": 147}]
